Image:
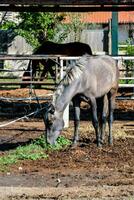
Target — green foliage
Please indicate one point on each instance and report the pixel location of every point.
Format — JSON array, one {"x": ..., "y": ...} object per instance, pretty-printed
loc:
[
  {"x": 35, "y": 26},
  {"x": 28, "y": 152},
  {"x": 35, "y": 150},
  {"x": 75, "y": 27},
  {"x": 38, "y": 26},
  {"x": 129, "y": 64},
  {"x": 126, "y": 81},
  {"x": 61, "y": 142},
  {"x": 130, "y": 48},
  {"x": 7, "y": 25}
]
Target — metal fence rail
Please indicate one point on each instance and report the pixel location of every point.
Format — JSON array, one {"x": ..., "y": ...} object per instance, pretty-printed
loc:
[
  {"x": 61, "y": 59},
  {"x": 61, "y": 69}
]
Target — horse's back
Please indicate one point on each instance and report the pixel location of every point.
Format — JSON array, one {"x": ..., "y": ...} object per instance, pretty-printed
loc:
[
  {"x": 100, "y": 64},
  {"x": 100, "y": 74},
  {"x": 68, "y": 49},
  {"x": 77, "y": 49},
  {"x": 110, "y": 66},
  {"x": 47, "y": 47}
]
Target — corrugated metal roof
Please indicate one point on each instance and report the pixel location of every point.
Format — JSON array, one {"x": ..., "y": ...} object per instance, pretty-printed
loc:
[{"x": 104, "y": 17}]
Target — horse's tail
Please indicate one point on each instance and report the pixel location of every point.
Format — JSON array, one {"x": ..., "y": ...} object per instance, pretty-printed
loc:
[
  {"x": 119, "y": 65},
  {"x": 89, "y": 50}
]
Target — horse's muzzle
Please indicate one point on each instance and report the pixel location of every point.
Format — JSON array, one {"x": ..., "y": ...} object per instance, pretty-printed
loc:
[{"x": 51, "y": 141}]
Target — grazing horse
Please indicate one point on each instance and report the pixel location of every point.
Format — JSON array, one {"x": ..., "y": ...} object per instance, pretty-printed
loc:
[
  {"x": 93, "y": 79},
  {"x": 51, "y": 48}
]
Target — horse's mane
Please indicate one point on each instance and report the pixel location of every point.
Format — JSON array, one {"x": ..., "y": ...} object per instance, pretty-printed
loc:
[{"x": 73, "y": 73}]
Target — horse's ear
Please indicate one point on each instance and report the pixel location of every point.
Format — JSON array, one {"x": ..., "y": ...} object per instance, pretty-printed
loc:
[
  {"x": 49, "y": 112},
  {"x": 51, "y": 109}
]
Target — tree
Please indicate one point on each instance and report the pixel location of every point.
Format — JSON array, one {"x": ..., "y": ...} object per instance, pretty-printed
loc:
[
  {"x": 74, "y": 27},
  {"x": 35, "y": 26},
  {"x": 129, "y": 63}
]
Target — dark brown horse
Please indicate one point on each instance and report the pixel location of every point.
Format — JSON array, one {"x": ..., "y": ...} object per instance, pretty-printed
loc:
[{"x": 51, "y": 48}]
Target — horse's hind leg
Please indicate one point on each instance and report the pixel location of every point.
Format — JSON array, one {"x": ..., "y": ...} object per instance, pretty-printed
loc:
[
  {"x": 45, "y": 70},
  {"x": 103, "y": 118},
  {"x": 95, "y": 120},
  {"x": 48, "y": 68},
  {"x": 76, "y": 106},
  {"x": 111, "y": 100}
]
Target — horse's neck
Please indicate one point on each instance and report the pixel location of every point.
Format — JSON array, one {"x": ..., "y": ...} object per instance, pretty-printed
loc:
[
  {"x": 62, "y": 97},
  {"x": 69, "y": 87}
]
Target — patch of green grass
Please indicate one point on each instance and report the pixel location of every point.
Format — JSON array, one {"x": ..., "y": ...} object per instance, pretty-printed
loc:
[
  {"x": 61, "y": 143},
  {"x": 35, "y": 150},
  {"x": 28, "y": 152}
]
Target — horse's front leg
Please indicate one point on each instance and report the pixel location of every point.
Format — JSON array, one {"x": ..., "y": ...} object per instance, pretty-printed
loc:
[
  {"x": 35, "y": 68},
  {"x": 48, "y": 67},
  {"x": 76, "y": 106},
  {"x": 95, "y": 121}
]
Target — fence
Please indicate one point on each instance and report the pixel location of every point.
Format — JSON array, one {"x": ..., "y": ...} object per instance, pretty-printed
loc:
[
  {"x": 60, "y": 59},
  {"x": 127, "y": 71},
  {"x": 123, "y": 76},
  {"x": 127, "y": 82}
]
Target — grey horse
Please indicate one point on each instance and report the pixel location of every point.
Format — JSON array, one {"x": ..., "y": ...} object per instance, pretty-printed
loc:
[{"x": 93, "y": 79}]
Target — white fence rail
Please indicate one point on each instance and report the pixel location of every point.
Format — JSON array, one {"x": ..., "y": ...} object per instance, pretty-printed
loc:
[
  {"x": 64, "y": 58},
  {"x": 118, "y": 58}
]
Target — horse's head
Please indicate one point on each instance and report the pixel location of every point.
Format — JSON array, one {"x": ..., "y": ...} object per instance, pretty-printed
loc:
[{"x": 54, "y": 124}]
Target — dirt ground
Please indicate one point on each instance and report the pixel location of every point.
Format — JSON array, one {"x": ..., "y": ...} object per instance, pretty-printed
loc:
[{"x": 84, "y": 172}]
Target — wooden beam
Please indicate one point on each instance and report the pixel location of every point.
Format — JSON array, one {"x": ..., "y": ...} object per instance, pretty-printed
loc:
[
  {"x": 67, "y": 2},
  {"x": 103, "y": 8}
]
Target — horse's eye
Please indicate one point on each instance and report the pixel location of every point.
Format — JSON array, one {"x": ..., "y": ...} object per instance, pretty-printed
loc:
[
  {"x": 50, "y": 123},
  {"x": 50, "y": 117}
]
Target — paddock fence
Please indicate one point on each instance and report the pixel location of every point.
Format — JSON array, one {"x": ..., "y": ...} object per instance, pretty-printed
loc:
[
  {"x": 126, "y": 83},
  {"x": 126, "y": 79}
]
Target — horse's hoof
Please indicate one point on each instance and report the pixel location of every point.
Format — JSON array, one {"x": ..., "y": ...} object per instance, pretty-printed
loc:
[
  {"x": 99, "y": 145},
  {"x": 110, "y": 142},
  {"x": 74, "y": 145},
  {"x": 102, "y": 142}
]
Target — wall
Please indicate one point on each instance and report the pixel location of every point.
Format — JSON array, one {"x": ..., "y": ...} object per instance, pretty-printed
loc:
[
  {"x": 98, "y": 39},
  {"x": 16, "y": 45}
]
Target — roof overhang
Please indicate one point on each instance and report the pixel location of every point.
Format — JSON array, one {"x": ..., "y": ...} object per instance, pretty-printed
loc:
[{"x": 66, "y": 5}]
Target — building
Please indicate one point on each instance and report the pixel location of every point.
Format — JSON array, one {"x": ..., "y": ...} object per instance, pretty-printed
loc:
[{"x": 98, "y": 31}]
